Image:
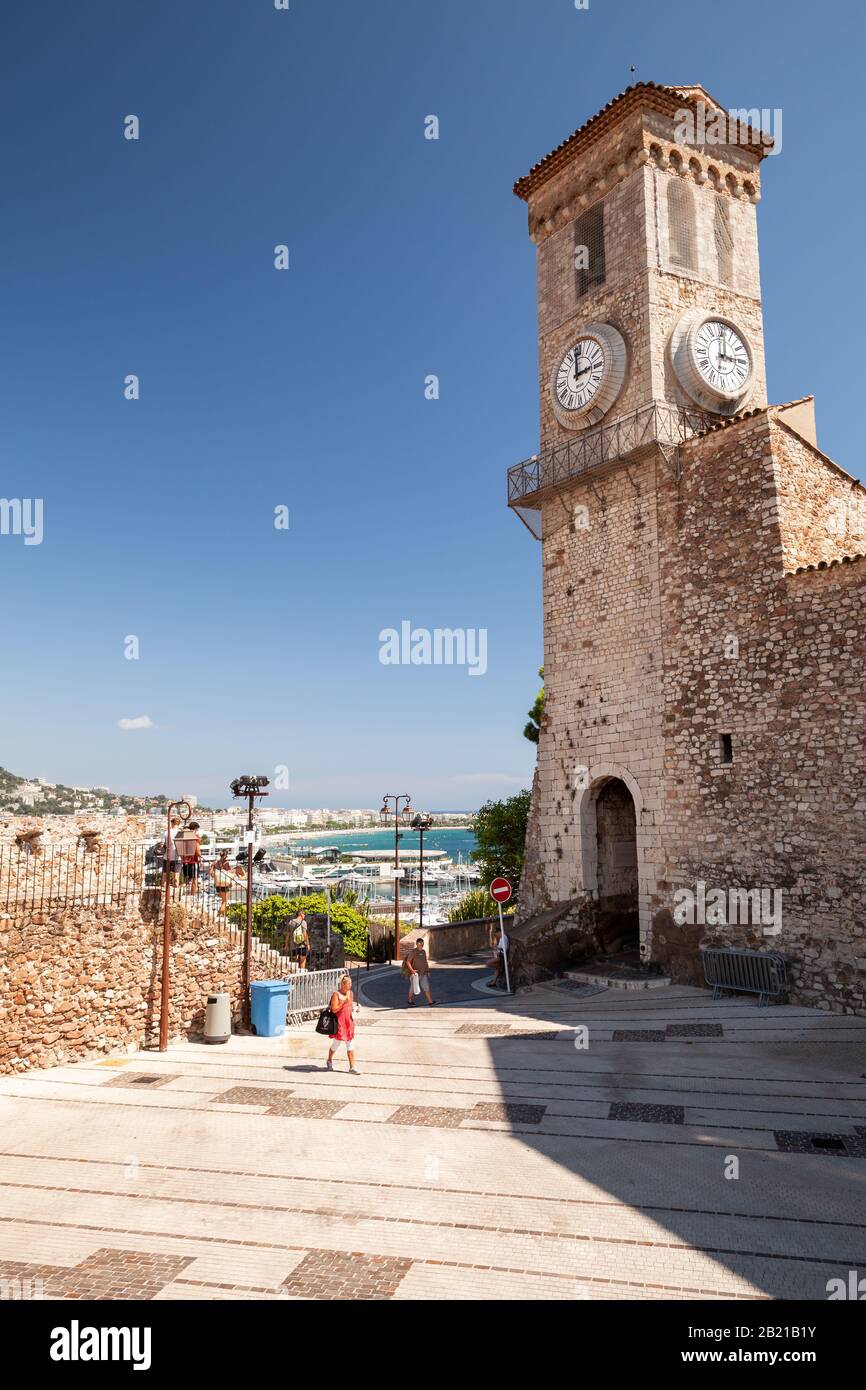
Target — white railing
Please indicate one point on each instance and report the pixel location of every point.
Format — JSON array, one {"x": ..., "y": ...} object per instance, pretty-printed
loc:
[{"x": 310, "y": 991}]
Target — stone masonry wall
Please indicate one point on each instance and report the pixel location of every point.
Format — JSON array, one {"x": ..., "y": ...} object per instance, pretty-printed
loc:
[
  {"x": 603, "y": 677},
  {"x": 78, "y": 982},
  {"x": 672, "y": 616},
  {"x": 822, "y": 511},
  {"x": 777, "y": 661}
]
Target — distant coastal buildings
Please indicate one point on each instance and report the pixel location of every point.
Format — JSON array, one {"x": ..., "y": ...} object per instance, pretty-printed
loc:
[{"x": 36, "y": 797}]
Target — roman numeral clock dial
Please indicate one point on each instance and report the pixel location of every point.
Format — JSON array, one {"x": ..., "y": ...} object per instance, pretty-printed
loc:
[
  {"x": 713, "y": 362},
  {"x": 588, "y": 379}
]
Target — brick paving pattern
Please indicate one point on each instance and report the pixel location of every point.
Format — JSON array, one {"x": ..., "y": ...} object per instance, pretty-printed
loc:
[
  {"x": 305, "y": 1107},
  {"x": 793, "y": 1141},
  {"x": 141, "y": 1078},
  {"x": 515, "y": 1113},
  {"x": 694, "y": 1030},
  {"x": 254, "y": 1095},
  {"x": 334, "y": 1274},
  {"x": 106, "y": 1274},
  {"x": 549, "y": 1172},
  {"x": 484, "y": 1030},
  {"x": 430, "y": 1116},
  {"x": 649, "y": 1114}
]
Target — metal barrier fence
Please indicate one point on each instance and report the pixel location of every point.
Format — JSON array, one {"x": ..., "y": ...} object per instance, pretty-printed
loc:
[
  {"x": 754, "y": 972},
  {"x": 310, "y": 991}
]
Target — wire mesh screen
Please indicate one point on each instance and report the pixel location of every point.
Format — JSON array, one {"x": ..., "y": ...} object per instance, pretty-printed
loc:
[
  {"x": 724, "y": 240},
  {"x": 589, "y": 266},
  {"x": 682, "y": 234}
]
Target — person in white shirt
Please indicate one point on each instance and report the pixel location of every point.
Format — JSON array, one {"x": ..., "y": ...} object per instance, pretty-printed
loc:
[
  {"x": 500, "y": 947},
  {"x": 171, "y": 859}
]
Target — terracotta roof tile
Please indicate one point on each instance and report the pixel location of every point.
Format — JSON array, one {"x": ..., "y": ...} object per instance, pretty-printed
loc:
[
  {"x": 829, "y": 564},
  {"x": 726, "y": 424},
  {"x": 666, "y": 99}
]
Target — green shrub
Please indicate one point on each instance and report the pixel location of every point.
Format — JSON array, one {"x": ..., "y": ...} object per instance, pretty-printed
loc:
[
  {"x": 271, "y": 915},
  {"x": 476, "y": 903}
]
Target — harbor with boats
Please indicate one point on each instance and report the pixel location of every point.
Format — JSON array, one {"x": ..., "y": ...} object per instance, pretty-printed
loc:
[{"x": 359, "y": 867}]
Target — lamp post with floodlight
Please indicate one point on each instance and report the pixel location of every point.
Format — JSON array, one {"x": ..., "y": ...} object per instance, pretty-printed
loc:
[
  {"x": 249, "y": 787},
  {"x": 402, "y": 810},
  {"x": 421, "y": 822}
]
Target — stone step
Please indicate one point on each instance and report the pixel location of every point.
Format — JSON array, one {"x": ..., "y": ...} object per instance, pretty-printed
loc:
[{"x": 616, "y": 981}]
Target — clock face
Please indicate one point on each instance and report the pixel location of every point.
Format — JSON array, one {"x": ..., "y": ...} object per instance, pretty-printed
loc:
[
  {"x": 713, "y": 361},
  {"x": 588, "y": 379},
  {"x": 721, "y": 357},
  {"x": 580, "y": 375}
]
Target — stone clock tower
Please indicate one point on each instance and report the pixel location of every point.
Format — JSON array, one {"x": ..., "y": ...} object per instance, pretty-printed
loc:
[{"x": 675, "y": 509}]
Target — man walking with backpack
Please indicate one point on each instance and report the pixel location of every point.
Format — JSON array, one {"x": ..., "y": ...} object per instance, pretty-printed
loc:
[{"x": 300, "y": 938}]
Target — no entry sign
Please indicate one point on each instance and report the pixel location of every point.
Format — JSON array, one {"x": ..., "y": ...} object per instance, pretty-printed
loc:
[{"x": 500, "y": 890}]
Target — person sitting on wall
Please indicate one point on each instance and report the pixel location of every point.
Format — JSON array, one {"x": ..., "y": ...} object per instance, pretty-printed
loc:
[{"x": 224, "y": 878}]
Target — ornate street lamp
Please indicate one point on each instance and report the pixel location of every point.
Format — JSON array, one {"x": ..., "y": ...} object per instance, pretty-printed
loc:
[
  {"x": 249, "y": 787},
  {"x": 402, "y": 810}
]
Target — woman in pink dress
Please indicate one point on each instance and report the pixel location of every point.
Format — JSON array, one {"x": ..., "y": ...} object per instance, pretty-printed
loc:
[{"x": 343, "y": 1005}]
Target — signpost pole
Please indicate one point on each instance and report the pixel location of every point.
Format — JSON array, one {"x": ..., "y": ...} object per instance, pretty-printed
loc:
[
  {"x": 328, "y": 896},
  {"x": 504, "y": 952},
  {"x": 500, "y": 892}
]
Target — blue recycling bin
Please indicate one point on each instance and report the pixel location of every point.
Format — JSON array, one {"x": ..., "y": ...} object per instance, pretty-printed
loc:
[{"x": 269, "y": 1004}]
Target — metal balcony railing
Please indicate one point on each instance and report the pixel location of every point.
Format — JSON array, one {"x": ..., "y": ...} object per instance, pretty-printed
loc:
[{"x": 661, "y": 423}]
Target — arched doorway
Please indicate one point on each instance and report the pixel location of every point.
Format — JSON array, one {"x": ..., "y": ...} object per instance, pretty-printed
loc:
[{"x": 616, "y": 867}]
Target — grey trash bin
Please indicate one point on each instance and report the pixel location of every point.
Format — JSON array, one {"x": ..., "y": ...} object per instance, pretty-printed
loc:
[{"x": 218, "y": 1019}]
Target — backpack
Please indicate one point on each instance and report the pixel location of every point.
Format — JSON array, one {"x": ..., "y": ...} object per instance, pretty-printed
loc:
[{"x": 298, "y": 934}]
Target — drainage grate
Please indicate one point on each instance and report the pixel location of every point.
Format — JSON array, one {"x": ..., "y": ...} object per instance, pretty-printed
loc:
[
  {"x": 807, "y": 1141},
  {"x": 638, "y": 1035},
  {"x": 142, "y": 1078}
]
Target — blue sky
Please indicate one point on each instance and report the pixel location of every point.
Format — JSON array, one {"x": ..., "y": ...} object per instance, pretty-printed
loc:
[{"x": 305, "y": 388}]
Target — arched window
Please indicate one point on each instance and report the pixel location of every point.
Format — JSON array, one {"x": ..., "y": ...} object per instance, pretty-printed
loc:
[
  {"x": 724, "y": 240},
  {"x": 682, "y": 240}
]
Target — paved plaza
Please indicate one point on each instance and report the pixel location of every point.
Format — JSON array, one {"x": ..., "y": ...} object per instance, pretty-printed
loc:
[{"x": 480, "y": 1155}]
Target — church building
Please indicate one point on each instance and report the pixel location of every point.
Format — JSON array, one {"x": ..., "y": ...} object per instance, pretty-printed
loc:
[{"x": 701, "y": 774}]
